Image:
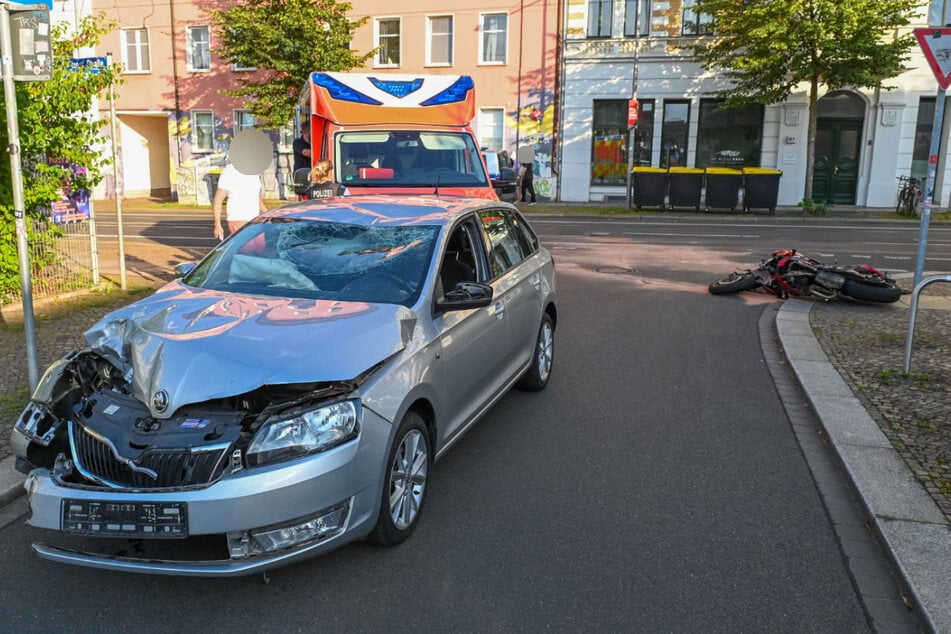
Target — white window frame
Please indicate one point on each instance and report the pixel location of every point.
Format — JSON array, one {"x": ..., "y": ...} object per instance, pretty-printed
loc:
[
  {"x": 142, "y": 63},
  {"x": 190, "y": 52},
  {"x": 644, "y": 20},
  {"x": 492, "y": 122},
  {"x": 483, "y": 33},
  {"x": 237, "y": 117},
  {"x": 235, "y": 68},
  {"x": 431, "y": 35},
  {"x": 196, "y": 148},
  {"x": 377, "y": 61},
  {"x": 694, "y": 19}
]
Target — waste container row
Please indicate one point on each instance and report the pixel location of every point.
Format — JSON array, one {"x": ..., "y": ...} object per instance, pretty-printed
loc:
[{"x": 681, "y": 187}]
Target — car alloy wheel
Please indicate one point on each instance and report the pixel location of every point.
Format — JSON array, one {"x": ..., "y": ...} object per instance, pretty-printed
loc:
[{"x": 407, "y": 482}]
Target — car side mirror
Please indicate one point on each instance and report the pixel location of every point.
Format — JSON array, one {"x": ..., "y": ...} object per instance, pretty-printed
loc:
[
  {"x": 508, "y": 174},
  {"x": 184, "y": 268},
  {"x": 466, "y": 296}
]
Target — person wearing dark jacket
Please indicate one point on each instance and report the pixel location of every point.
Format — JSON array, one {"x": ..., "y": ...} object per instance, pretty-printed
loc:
[{"x": 322, "y": 183}]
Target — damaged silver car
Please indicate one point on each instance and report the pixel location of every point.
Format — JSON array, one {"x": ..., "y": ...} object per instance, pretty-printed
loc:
[{"x": 289, "y": 393}]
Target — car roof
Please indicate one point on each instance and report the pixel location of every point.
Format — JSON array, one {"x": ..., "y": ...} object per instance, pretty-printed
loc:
[{"x": 384, "y": 210}]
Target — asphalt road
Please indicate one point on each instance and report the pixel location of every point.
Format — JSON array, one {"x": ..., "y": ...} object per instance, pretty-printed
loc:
[{"x": 656, "y": 485}]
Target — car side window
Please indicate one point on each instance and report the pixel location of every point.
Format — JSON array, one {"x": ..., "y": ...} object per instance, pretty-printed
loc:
[
  {"x": 505, "y": 250},
  {"x": 460, "y": 262},
  {"x": 527, "y": 239}
]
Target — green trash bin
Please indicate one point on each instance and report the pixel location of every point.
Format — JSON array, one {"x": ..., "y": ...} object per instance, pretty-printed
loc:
[
  {"x": 649, "y": 185},
  {"x": 760, "y": 188},
  {"x": 684, "y": 185},
  {"x": 722, "y": 188}
]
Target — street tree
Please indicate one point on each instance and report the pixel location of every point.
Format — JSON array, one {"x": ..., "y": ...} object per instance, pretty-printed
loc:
[
  {"x": 768, "y": 49},
  {"x": 59, "y": 138},
  {"x": 285, "y": 40}
]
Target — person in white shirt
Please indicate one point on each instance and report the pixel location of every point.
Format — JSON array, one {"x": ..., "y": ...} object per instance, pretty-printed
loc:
[{"x": 245, "y": 200}]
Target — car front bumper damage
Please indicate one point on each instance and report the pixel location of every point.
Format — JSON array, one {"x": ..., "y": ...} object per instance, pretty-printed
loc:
[{"x": 269, "y": 516}]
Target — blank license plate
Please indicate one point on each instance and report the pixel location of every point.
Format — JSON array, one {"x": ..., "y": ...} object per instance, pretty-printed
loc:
[{"x": 126, "y": 519}]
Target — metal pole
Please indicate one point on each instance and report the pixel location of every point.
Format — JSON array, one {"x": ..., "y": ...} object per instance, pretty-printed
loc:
[
  {"x": 632, "y": 132},
  {"x": 16, "y": 177},
  {"x": 115, "y": 177},
  {"x": 929, "y": 183}
]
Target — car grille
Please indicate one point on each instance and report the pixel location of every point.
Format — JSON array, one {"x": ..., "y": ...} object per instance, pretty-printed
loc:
[{"x": 97, "y": 459}]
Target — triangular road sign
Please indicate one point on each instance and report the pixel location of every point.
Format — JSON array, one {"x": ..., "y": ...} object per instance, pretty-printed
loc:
[{"x": 936, "y": 44}]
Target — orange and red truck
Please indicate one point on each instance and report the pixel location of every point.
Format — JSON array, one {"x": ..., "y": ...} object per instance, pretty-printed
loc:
[{"x": 397, "y": 133}]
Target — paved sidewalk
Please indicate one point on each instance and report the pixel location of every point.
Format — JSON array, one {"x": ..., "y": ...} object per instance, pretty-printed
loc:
[{"x": 911, "y": 527}]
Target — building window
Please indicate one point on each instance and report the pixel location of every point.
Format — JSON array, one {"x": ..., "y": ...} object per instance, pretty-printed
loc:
[
  {"x": 493, "y": 45},
  {"x": 695, "y": 23},
  {"x": 492, "y": 128},
  {"x": 439, "y": 42},
  {"x": 609, "y": 142},
  {"x": 729, "y": 137},
  {"x": 388, "y": 42},
  {"x": 203, "y": 130},
  {"x": 922, "y": 147},
  {"x": 198, "y": 41},
  {"x": 600, "y": 15},
  {"x": 638, "y": 11},
  {"x": 243, "y": 120},
  {"x": 673, "y": 134},
  {"x": 238, "y": 68},
  {"x": 644, "y": 133},
  {"x": 135, "y": 50}
]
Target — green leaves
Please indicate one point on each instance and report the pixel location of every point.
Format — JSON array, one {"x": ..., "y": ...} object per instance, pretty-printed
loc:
[
  {"x": 56, "y": 125},
  {"x": 288, "y": 39}
]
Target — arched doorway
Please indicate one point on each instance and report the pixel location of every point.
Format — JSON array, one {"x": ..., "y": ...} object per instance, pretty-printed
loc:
[{"x": 835, "y": 172}]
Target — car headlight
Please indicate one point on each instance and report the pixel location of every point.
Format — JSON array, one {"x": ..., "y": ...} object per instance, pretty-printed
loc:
[{"x": 306, "y": 432}]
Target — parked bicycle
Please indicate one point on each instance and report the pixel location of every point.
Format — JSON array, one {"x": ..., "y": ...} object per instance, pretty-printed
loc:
[{"x": 909, "y": 196}]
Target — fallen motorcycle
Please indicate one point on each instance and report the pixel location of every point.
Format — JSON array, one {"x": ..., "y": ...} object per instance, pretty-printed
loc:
[{"x": 790, "y": 273}]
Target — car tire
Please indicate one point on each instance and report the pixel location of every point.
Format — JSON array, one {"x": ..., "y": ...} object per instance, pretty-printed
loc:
[
  {"x": 404, "y": 482},
  {"x": 543, "y": 356}
]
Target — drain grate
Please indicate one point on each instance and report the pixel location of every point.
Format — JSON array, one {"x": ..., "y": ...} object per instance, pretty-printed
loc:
[{"x": 615, "y": 270}]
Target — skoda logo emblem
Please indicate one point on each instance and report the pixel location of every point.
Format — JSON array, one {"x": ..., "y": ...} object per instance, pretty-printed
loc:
[{"x": 160, "y": 401}]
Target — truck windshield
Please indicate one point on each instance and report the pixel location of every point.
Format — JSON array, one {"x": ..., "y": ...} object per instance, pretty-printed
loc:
[{"x": 408, "y": 159}]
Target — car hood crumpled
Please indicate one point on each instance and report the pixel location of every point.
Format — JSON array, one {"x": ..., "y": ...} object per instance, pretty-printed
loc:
[{"x": 198, "y": 345}]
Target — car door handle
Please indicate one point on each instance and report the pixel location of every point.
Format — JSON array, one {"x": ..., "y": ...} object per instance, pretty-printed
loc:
[
  {"x": 536, "y": 280},
  {"x": 499, "y": 309}
]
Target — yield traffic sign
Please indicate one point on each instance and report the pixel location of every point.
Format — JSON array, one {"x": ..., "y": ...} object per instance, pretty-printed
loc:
[{"x": 936, "y": 45}]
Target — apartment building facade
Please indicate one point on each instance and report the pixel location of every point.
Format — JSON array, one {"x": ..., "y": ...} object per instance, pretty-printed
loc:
[
  {"x": 865, "y": 138},
  {"x": 175, "y": 124}
]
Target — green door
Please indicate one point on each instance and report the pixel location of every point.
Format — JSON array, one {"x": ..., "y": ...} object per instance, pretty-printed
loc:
[{"x": 835, "y": 173}]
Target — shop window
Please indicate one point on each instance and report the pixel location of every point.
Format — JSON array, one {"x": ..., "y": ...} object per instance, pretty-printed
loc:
[
  {"x": 729, "y": 137},
  {"x": 673, "y": 139},
  {"x": 135, "y": 50},
  {"x": 923, "y": 128},
  {"x": 610, "y": 135},
  {"x": 600, "y": 15},
  {"x": 637, "y": 12},
  {"x": 388, "y": 42},
  {"x": 439, "y": 44},
  {"x": 493, "y": 45},
  {"x": 199, "y": 48}
]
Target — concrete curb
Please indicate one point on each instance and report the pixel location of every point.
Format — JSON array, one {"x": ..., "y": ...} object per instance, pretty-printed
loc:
[{"x": 912, "y": 529}]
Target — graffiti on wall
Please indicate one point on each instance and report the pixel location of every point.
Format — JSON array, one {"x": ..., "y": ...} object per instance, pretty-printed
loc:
[{"x": 534, "y": 126}]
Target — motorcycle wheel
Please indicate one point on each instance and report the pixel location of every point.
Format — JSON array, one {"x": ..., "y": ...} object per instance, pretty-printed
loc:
[
  {"x": 734, "y": 283},
  {"x": 884, "y": 292}
]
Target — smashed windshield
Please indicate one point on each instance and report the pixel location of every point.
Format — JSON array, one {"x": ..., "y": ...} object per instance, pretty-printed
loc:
[
  {"x": 321, "y": 260},
  {"x": 408, "y": 159}
]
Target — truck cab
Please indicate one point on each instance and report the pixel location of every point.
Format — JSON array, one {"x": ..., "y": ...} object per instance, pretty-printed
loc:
[{"x": 397, "y": 134}]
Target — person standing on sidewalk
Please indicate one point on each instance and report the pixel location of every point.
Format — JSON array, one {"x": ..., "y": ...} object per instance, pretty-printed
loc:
[
  {"x": 240, "y": 182},
  {"x": 526, "y": 182}
]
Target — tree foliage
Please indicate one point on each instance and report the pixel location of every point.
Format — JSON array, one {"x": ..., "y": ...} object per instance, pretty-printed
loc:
[
  {"x": 285, "y": 40},
  {"x": 769, "y": 48},
  {"x": 59, "y": 136}
]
